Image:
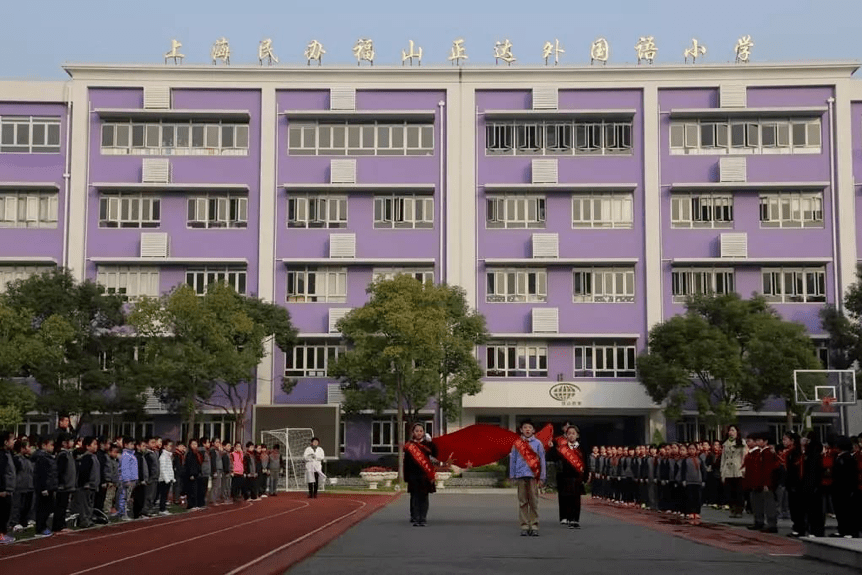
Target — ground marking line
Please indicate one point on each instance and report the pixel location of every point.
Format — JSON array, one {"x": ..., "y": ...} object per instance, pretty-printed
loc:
[
  {"x": 148, "y": 551},
  {"x": 150, "y": 526},
  {"x": 297, "y": 540}
]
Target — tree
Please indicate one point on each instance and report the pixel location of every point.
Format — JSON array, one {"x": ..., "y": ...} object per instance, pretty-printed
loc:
[
  {"x": 75, "y": 380},
  {"x": 845, "y": 328},
  {"x": 203, "y": 350},
  {"x": 409, "y": 343},
  {"x": 724, "y": 351},
  {"x": 22, "y": 344}
]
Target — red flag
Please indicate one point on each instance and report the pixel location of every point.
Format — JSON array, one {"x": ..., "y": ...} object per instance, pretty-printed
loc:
[{"x": 476, "y": 445}]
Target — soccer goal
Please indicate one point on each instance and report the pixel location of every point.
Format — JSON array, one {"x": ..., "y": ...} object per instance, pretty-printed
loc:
[
  {"x": 825, "y": 389},
  {"x": 292, "y": 443}
]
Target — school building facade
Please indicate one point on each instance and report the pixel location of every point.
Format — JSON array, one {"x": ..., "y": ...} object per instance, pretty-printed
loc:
[{"x": 577, "y": 206}]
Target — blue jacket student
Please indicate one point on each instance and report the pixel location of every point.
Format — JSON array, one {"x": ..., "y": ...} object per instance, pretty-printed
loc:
[
  {"x": 519, "y": 468},
  {"x": 128, "y": 466}
]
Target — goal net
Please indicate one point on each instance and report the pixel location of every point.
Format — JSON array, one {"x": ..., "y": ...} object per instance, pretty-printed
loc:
[{"x": 292, "y": 443}]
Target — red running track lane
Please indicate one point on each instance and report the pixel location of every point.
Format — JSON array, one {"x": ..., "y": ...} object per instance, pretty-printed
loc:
[
  {"x": 267, "y": 536},
  {"x": 718, "y": 535}
]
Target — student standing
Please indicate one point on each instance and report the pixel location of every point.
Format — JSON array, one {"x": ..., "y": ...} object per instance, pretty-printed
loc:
[
  {"x": 570, "y": 476},
  {"x": 191, "y": 473},
  {"x": 313, "y": 457},
  {"x": 274, "y": 470},
  {"x": 693, "y": 474},
  {"x": 89, "y": 476},
  {"x": 249, "y": 469},
  {"x": 139, "y": 494},
  {"x": 845, "y": 481},
  {"x": 151, "y": 454},
  {"x": 166, "y": 475},
  {"x": 419, "y": 454},
  {"x": 217, "y": 472},
  {"x": 44, "y": 484},
  {"x": 67, "y": 482},
  {"x": 112, "y": 479},
  {"x": 762, "y": 463},
  {"x": 527, "y": 468},
  {"x": 227, "y": 475},
  {"x": 22, "y": 503},
  {"x": 238, "y": 472},
  {"x": 102, "y": 493},
  {"x": 812, "y": 484},
  {"x": 732, "y": 456},
  {"x": 7, "y": 484},
  {"x": 128, "y": 479}
]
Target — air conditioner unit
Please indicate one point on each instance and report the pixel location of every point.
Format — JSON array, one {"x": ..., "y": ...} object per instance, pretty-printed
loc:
[
  {"x": 546, "y": 320},
  {"x": 335, "y": 314},
  {"x": 545, "y": 98},
  {"x": 733, "y": 96},
  {"x": 157, "y": 98},
  {"x": 342, "y": 245},
  {"x": 544, "y": 171},
  {"x": 342, "y": 171},
  {"x": 334, "y": 394},
  {"x": 734, "y": 245},
  {"x": 546, "y": 246},
  {"x": 732, "y": 170},
  {"x": 156, "y": 171},
  {"x": 342, "y": 99},
  {"x": 154, "y": 245}
]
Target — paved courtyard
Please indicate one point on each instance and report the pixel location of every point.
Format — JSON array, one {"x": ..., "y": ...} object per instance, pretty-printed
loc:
[{"x": 478, "y": 533}]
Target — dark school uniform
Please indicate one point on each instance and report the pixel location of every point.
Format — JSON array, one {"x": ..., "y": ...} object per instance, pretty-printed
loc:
[
  {"x": 570, "y": 485},
  {"x": 419, "y": 485},
  {"x": 67, "y": 484},
  {"x": 44, "y": 487}
]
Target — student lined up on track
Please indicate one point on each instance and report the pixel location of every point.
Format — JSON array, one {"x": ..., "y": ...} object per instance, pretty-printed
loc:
[
  {"x": 88, "y": 480},
  {"x": 801, "y": 477}
]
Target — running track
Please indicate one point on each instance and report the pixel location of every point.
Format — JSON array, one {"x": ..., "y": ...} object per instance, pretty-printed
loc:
[{"x": 266, "y": 536}]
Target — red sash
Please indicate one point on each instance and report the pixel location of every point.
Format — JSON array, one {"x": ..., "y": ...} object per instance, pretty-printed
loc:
[
  {"x": 573, "y": 456},
  {"x": 529, "y": 456},
  {"x": 420, "y": 454}
]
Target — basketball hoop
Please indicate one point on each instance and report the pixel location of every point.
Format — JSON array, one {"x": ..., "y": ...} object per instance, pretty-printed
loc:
[{"x": 826, "y": 404}]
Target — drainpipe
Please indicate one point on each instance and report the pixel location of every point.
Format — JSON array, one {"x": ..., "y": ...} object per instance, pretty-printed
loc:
[
  {"x": 67, "y": 174},
  {"x": 441, "y": 187},
  {"x": 836, "y": 262}
]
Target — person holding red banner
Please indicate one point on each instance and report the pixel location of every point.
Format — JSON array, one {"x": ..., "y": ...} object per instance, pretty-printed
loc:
[
  {"x": 419, "y": 473},
  {"x": 571, "y": 473},
  {"x": 527, "y": 468}
]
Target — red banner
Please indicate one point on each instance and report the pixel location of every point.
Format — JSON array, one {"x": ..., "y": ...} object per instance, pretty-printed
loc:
[
  {"x": 573, "y": 456},
  {"x": 529, "y": 456},
  {"x": 420, "y": 455}
]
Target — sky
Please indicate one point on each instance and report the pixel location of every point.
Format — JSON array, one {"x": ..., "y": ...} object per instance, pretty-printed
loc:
[{"x": 38, "y": 36}]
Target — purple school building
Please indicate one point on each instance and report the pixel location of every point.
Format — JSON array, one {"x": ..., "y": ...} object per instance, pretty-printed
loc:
[{"x": 577, "y": 206}]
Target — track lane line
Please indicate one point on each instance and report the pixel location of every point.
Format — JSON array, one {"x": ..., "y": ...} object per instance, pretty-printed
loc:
[
  {"x": 241, "y": 568},
  {"x": 117, "y": 533},
  {"x": 169, "y": 545}
]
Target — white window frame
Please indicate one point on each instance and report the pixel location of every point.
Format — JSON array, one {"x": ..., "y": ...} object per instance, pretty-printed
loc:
[
  {"x": 129, "y": 210},
  {"x": 687, "y": 282},
  {"x": 506, "y": 211},
  {"x": 199, "y": 278},
  {"x": 18, "y": 135},
  {"x": 603, "y": 285},
  {"x": 330, "y": 284},
  {"x": 543, "y": 138},
  {"x": 372, "y": 138},
  {"x": 794, "y": 285},
  {"x": 380, "y": 430},
  {"x": 746, "y": 136},
  {"x": 310, "y": 359},
  {"x": 617, "y": 210},
  {"x": 316, "y": 211},
  {"x": 516, "y": 285},
  {"x": 28, "y": 209},
  {"x": 11, "y": 273},
  {"x": 401, "y": 211},
  {"x": 130, "y": 281},
  {"x": 423, "y": 275},
  {"x": 207, "y": 211},
  {"x": 207, "y": 428},
  {"x": 791, "y": 210},
  {"x": 516, "y": 359},
  {"x": 615, "y": 360},
  {"x": 708, "y": 210},
  {"x": 174, "y": 138}
]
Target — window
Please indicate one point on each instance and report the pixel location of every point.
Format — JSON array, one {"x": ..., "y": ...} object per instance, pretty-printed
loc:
[
  {"x": 791, "y": 210},
  {"x": 802, "y": 285},
  {"x": 383, "y": 436},
  {"x": 702, "y": 211},
  {"x": 310, "y": 211},
  {"x": 360, "y": 139},
  {"x": 212, "y": 427},
  {"x": 603, "y": 285},
  {"x": 29, "y": 135},
  {"x": 698, "y": 281},
  {"x": 310, "y": 284},
  {"x": 129, "y": 211},
  {"x": 424, "y": 275},
  {"x": 605, "y": 360},
  {"x": 28, "y": 209},
  {"x": 172, "y": 138},
  {"x": 129, "y": 281},
  {"x": 199, "y": 279},
  {"x": 525, "y": 137},
  {"x": 403, "y": 212},
  {"x": 308, "y": 359},
  {"x": 33, "y": 427},
  {"x": 518, "y": 285},
  {"x": 517, "y": 360},
  {"x": 9, "y": 274},
  {"x": 342, "y": 436},
  {"x": 218, "y": 211},
  {"x": 602, "y": 210},
  {"x": 755, "y": 136},
  {"x": 511, "y": 211}
]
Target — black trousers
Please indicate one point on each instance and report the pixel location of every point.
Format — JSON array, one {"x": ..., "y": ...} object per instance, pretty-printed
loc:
[
  {"x": 418, "y": 507},
  {"x": 164, "y": 489},
  {"x": 202, "y": 482},
  {"x": 570, "y": 506},
  {"x": 734, "y": 494},
  {"x": 99, "y": 499},
  {"x": 191, "y": 493},
  {"x": 847, "y": 523},
  {"x": 23, "y": 508},
  {"x": 797, "y": 511},
  {"x": 250, "y": 488},
  {"x": 692, "y": 499},
  {"x": 814, "y": 513},
  {"x": 236, "y": 486},
  {"x": 61, "y": 504},
  {"x": 139, "y": 496},
  {"x": 44, "y": 507},
  {"x": 312, "y": 487},
  {"x": 5, "y": 511}
]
